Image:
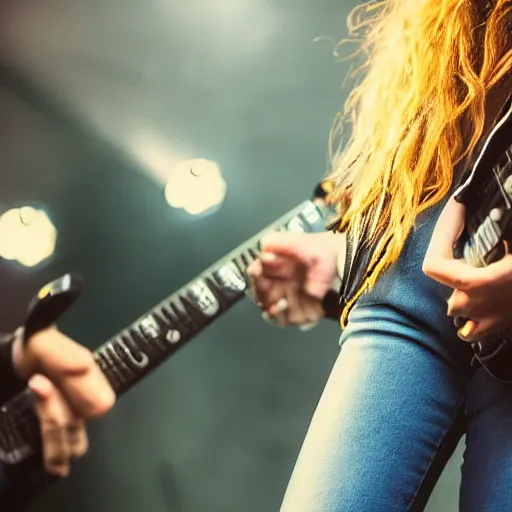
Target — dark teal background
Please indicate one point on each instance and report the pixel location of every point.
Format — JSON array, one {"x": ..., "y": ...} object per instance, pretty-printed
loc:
[{"x": 241, "y": 82}]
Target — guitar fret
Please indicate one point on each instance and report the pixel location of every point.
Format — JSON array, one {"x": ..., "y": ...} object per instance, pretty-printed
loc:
[
  {"x": 139, "y": 340},
  {"x": 148, "y": 336},
  {"x": 131, "y": 358},
  {"x": 178, "y": 317},
  {"x": 231, "y": 281},
  {"x": 111, "y": 370},
  {"x": 121, "y": 368},
  {"x": 100, "y": 358},
  {"x": 172, "y": 320},
  {"x": 160, "y": 343},
  {"x": 100, "y": 361},
  {"x": 245, "y": 258}
]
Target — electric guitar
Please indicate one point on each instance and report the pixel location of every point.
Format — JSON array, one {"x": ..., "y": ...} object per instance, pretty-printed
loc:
[
  {"x": 134, "y": 352},
  {"x": 486, "y": 192}
]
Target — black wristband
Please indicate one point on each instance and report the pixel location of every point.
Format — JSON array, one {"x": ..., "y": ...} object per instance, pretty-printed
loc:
[
  {"x": 332, "y": 306},
  {"x": 10, "y": 381}
]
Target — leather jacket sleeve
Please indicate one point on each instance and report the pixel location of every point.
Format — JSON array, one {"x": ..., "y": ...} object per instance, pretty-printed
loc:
[
  {"x": 332, "y": 306},
  {"x": 10, "y": 382}
]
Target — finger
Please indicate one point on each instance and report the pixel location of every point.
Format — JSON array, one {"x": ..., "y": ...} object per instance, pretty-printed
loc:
[
  {"x": 448, "y": 229},
  {"x": 296, "y": 314},
  {"x": 303, "y": 310},
  {"x": 500, "y": 271},
  {"x": 265, "y": 291},
  {"x": 277, "y": 320},
  {"x": 317, "y": 276},
  {"x": 54, "y": 417},
  {"x": 254, "y": 272},
  {"x": 276, "y": 266},
  {"x": 459, "y": 304},
  {"x": 57, "y": 354},
  {"x": 71, "y": 367},
  {"x": 278, "y": 307},
  {"x": 478, "y": 331},
  {"x": 278, "y": 311},
  {"x": 89, "y": 395},
  {"x": 439, "y": 263},
  {"x": 259, "y": 284},
  {"x": 269, "y": 291},
  {"x": 77, "y": 439},
  {"x": 293, "y": 245}
]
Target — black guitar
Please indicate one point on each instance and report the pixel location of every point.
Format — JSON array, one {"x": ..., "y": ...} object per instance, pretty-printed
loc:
[
  {"x": 134, "y": 352},
  {"x": 486, "y": 192}
]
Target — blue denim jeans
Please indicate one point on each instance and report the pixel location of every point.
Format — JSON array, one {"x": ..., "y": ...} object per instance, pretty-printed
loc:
[
  {"x": 400, "y": 396},
  {"x": 390, "y": 417}
]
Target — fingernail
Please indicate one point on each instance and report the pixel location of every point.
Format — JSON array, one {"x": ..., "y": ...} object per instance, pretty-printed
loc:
[
  {"x": 308, "y": 326},
  {"x": 40, "y": 385},
  {"x": 268, "y": 257},
  {"x": 466, "y": 330},
  {"x": 266, "y": 317},
  {"x": 281, "y": 305}
]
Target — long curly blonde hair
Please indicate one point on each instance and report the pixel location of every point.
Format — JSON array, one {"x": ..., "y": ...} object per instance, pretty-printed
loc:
[{"x": 429, "y": 67}]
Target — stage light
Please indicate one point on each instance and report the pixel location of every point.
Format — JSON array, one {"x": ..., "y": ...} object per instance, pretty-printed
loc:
[
  {"x": 196, "y": 186},
  {"x": 27, "y": 236}
]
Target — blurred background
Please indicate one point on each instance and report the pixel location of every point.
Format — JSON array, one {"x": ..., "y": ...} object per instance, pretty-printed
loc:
[{"x": 101, "y": 104}]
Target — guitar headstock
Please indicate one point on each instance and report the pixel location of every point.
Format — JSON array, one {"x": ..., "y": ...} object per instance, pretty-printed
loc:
[{"x": 51, "y": 302}]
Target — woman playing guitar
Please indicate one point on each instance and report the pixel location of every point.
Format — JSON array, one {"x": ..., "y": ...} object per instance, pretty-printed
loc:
[{"x": 405, "y": 386}]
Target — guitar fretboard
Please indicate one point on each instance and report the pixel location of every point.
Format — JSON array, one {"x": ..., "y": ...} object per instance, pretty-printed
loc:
[{"x": 150, "y": 340}]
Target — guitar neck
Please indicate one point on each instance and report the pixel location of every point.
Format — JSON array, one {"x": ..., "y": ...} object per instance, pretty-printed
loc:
[{"x": 150, "y": 340}]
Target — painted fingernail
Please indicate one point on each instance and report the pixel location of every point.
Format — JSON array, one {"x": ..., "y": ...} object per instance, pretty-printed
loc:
[{"x": 467, "y": 329}]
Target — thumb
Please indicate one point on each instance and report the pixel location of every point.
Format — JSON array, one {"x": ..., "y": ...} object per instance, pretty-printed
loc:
[
  {"x": 40, "y": 386},
  {"x": 294, "y": 245}
]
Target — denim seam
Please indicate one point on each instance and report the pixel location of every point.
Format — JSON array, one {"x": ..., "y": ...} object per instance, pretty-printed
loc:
[{"x": 453, "y": 421}]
